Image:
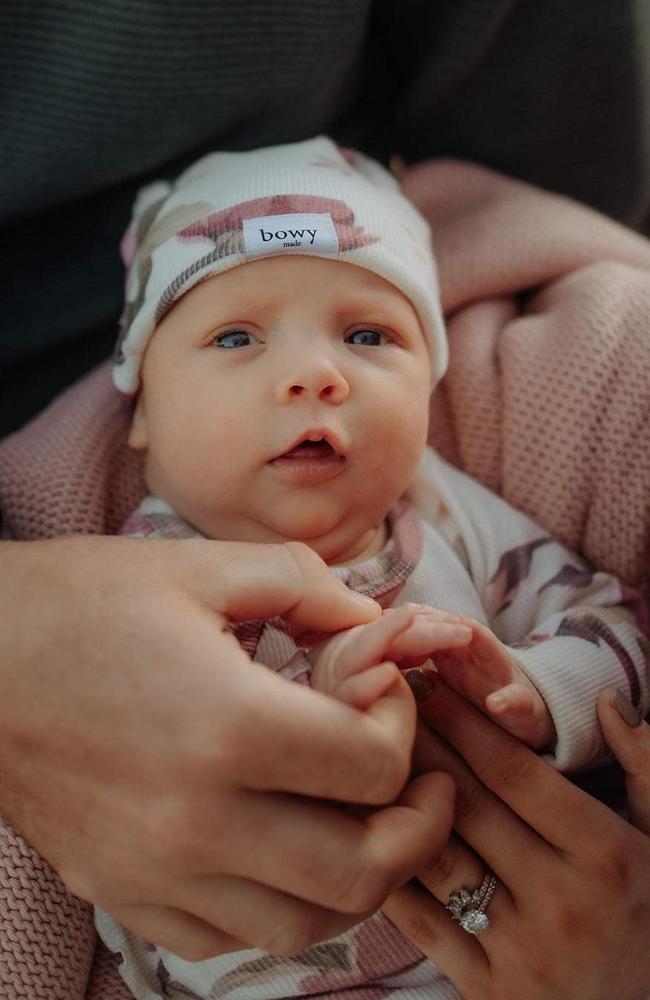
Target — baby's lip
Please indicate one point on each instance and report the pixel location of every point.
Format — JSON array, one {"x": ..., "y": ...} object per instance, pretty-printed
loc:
[{"x": 317, "y": 436}]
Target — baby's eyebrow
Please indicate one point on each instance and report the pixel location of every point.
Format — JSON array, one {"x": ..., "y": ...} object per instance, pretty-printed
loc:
[{"x": 370, "y": 301}]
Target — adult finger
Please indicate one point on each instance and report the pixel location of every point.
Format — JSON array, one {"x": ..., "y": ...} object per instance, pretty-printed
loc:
[
  {"x": 560, "y": 813},
  {"x": 505, "y": 844},
  {"x": 359, "y": 648},
  {"x": 425, "y": 922},
  {"x": 244, "y": 580},
  {"x": 299, "y": 740},
  {"x": 322, "y": 854},
  {"x": 385, "y": 849},
  {"x": 458, "y": 867},
  {"x": 628, "y": 736},
  {"x": 264, "y": 918},
  {"x": 180, "y": 932}
]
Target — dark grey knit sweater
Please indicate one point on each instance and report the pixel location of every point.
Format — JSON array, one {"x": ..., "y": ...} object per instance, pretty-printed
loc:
[{"x": 98, "y": 96}]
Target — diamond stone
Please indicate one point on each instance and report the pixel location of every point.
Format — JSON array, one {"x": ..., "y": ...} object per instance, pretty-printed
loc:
[{"x": 474, "y": 921}]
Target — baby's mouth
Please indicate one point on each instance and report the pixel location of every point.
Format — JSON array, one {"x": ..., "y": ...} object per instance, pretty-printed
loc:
[
  {"x": 310, "y": 461},
  {"x": 312, "y": 449}
]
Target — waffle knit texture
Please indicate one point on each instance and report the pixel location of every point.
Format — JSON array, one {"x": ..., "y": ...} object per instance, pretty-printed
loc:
[
  {"x": 310, "y": 198},
  {"x": 546, "y": 401}
]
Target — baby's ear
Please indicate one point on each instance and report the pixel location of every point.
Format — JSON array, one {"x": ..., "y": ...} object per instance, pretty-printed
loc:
[{"x": 138, "y": 438}]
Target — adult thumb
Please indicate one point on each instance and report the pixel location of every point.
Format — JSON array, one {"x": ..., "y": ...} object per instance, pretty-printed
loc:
[
  {"x": 244, "y": 580},
  {"x": 628, "y": 736}
]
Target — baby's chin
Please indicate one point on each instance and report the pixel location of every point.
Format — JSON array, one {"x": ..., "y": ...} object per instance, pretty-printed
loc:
[
  {"x": 338, "y": 548},
  {"x": 337, "y": 534},
  {"x": 370, "y": 544},
  {"x": 335, "y": 543}
]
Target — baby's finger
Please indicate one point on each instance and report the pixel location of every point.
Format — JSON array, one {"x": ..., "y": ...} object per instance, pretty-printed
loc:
[
  {"x": 457, "y": 669},
  {"x": 628, "y": 736},
  {"x": 425, "y": 636},
  {"x": 523, "y": 713},
  {"x": 361, "y": 690},
  {"x": 489, "y": 656},
  {"x": 366, "y": 645}
]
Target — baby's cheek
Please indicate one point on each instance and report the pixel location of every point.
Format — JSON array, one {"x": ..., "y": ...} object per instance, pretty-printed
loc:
[{"x": 399, "y": 445}]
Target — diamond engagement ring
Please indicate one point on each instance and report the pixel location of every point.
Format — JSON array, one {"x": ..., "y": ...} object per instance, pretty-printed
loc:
[{"x": 468, "y": 906}]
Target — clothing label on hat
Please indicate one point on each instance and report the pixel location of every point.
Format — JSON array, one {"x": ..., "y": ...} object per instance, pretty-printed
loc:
[{"x": 299, "y": 232}]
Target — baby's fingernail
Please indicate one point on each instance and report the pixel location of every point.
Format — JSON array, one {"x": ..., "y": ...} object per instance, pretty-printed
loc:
[
  {"x": 629, "y": 714},
  {"x": 421, "y": 684}
]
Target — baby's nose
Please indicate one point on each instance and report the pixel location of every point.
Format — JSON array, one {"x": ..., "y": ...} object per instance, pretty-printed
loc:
[{"x": 317, "y": 380}]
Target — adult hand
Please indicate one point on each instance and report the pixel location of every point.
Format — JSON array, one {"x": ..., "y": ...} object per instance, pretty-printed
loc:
[
  {"x": 175, "y": 783},
  {"x": 628, "y": 737},
  {"x": 570, "y": 918}
]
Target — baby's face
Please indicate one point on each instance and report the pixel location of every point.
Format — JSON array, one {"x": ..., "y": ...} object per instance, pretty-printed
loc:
[{"x": 286, "y": 399}]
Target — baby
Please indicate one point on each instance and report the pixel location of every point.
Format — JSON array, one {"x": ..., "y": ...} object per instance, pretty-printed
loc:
[{"x": 282, "y": 336}]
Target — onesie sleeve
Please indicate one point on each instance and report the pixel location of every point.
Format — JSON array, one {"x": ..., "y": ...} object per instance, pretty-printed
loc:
[
  {"x": 573, "y": 629},
  {"x": 297, "y": 669}
]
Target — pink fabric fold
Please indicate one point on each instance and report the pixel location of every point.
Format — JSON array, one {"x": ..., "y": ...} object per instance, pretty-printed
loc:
[{"x": 547, "y": 401}]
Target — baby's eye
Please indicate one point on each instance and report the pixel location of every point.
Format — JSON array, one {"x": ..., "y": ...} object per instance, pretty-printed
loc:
[
  {"x": 234, "y": 338},
  {"x": 367, "y": 338}
]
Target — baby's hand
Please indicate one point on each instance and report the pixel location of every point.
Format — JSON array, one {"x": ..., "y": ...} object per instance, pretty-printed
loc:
[
  {"x": 359, "y": 665},
  {"x": 485, "y": 673}
]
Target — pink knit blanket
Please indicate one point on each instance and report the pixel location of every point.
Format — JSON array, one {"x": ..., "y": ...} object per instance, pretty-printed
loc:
[{"x": 547, "y": 401}]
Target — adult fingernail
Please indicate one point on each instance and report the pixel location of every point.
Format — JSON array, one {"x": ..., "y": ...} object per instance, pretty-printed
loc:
[
  {"x": 629, "y": 714},
  {"x": 420, "y": 684},
  {"x": 364, "y": 598}
]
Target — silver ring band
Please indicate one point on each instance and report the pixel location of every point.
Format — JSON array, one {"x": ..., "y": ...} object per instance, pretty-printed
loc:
[{"x": 468, "y": 906}]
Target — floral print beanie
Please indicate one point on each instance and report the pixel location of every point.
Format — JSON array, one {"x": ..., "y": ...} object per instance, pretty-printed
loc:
[{"x": 309, "y": 197}]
